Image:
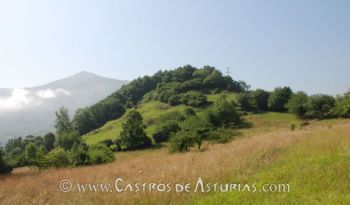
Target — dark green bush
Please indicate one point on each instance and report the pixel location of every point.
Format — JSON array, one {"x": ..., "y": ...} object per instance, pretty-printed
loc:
[
  {"x": 100, "y": 153},
  {"x": 163, "y": 133}
]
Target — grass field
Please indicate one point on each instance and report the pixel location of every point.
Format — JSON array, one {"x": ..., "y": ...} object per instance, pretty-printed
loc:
[{"x": 314, "y": 160}]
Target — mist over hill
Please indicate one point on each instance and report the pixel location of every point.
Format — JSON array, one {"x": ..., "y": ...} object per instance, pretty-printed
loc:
[{"x": 31, "y": 110}]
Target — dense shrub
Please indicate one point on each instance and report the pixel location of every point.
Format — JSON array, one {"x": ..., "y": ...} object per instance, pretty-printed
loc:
[
  {"x": 78, "y": 155},
  {"x": 58, "y": 158},
  {"x": 194, "y": 99},
  {"x": 100, "y": 153},
  {"x": 163, "y": 133}
]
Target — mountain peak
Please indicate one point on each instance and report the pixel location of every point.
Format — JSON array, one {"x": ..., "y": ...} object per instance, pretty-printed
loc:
[{"x": 85, "y": 73}]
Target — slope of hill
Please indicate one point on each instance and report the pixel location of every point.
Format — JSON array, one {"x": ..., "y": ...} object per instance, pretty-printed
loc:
[
  {"x": 151, "y": 112},
  {"x": 31, "y": 110}
]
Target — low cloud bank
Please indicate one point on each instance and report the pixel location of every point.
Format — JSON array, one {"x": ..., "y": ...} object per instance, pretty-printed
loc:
[{"x": 22, "y": 98}]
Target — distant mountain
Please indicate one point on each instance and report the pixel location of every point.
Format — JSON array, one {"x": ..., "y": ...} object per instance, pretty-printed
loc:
[{"x": 32, "y": 110}]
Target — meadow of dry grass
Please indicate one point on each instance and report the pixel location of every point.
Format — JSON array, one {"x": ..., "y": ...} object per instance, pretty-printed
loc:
[{"x": 239, "y": 160}]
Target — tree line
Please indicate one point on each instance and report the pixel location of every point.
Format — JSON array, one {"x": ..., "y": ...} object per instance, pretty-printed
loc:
[{"x": 283, "y": 99}]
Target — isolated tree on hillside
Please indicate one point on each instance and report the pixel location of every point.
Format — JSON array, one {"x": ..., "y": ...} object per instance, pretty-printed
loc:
[{"x": 133, "y": 135}]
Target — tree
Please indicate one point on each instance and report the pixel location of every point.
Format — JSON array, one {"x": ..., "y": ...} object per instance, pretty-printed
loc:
[
  {"x": 84, "y": 121},
  {"x": 67, "y": 139},
  {"x": 199, "y": 126},
  {"x": 261, "y": 98},
  {"x": 223, "y": 113},
  {"x": 342, "y": 105},
  {"x": 58, "y": 158},
  {"x": 78, "y": 155},
  {"x": 163, "y": 133},
  {"x": 49, "y": 141},
  {"x": 297, "y": 104},
  {"x": 133, "y": 135},
  {"x": 319, "y": 106},
  {"x": 246, "y": 101},
  {"x": 63, "y": 124},
  {"x": 279, "y": 98},
  {"x": 5, "y": 168},
  {"x": 182, "y": 141},
  {"x": 30, "y": 154},
  {"x": 66, "y": 135}
]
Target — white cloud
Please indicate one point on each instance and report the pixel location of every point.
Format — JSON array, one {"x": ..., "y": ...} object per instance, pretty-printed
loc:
[
  {"x": 49, "y": 93},
  {"x": 21, "y": 98},
  {"x": 17, "y": 100}
]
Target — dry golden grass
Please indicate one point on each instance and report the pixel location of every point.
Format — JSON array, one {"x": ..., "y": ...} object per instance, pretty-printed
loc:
[{"x": 218, "y": 163}]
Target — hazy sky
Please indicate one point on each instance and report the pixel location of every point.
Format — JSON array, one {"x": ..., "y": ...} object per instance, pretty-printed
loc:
[{"x": 303, "y": 44}]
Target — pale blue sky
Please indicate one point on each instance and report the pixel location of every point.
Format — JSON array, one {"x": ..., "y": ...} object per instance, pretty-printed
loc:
[{"x": 303, "y": 44}]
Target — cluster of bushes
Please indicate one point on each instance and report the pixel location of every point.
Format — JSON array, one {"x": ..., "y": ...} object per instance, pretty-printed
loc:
[
  {"x": 166, "y": 86},
  {"x": 187, "y": 129}
]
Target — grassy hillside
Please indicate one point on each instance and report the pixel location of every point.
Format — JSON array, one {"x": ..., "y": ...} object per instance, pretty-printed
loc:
[
  {"x": 314, "y": 160},
  {"x": 151, "y": 113}
]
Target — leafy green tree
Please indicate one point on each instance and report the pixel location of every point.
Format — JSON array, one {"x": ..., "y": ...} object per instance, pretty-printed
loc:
[
  {"x": 223, "y": 113},
  {"x": 319, "y": 106},
  {"x": 31, "y": 153},
  {"x": 182, "y": 141},
  {"x": 49, "y": 141},
  {"x": 279, "y": 98},
  {"x": 66, "y": 135},
  {"x": 199, "y": 126},
  {"x": 133, "y": 135},
  {"x": 297, "y": 104},
  {"x": 194, "y": 130},
  {"x": 342, "y": 105},
  {"x": 84, "y": 121},
  {"x": 58, "y": 158},
  {"x": 78, "y": 155},
  {"x": 261, "y": 98},
  {"x": 100, "y": 153},
  {"x": 163, "y": 133},
  {"x": 63, "y": 124},
  {"x": 68, "y": 139},
  {"x": 5, "y": 168},
  {"x": 246, "y": 101}
]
